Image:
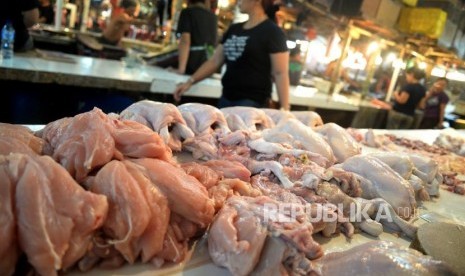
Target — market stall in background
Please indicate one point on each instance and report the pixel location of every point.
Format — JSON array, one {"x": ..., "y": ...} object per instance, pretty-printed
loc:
[{"x": 355, "y": 52}]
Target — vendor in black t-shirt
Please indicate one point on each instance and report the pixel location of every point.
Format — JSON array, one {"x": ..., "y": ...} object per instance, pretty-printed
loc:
[
  {"x": 406, "y": 101},
  {"x": 255, "y": 53},
  {"x": 23, "y": 14},
  {"x": 197, "y": 29}
]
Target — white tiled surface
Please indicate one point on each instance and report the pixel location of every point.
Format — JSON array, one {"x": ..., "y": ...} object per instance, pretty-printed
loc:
[
  {"x": 17, "y": 62},
  {"x": 299, "y": 95},
  {"x": 85, "y": 66}
]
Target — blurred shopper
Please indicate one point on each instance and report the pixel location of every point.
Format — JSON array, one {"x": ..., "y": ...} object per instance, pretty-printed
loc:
[
  {"x": 255, "y": 53},
  {"x": 295, "y": 66},
  {"x": 120, "y": 23},
  {"x": 23, "y": 14},
  {"x": 434, "y": 104},
  {"x": 344, "y": 75},
  {"x": 46, "y": 13},
  {"x": 383, "y": 80},
  {"x": 406, "y": 100},
  {"x": 197, "y": 28}
]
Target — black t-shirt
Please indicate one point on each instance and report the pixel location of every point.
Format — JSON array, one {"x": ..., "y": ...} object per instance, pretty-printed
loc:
[
  {"x": 202, "y": 26},
  {"x": 416, "y": 92},
  {"x": 48, "y": 13},
  {"x": 12, "y": 10},
  {"x": 248, "y": 63}
]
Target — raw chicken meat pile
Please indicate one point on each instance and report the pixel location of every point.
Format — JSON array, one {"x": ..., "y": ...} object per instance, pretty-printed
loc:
[
  {"x": 428, "y": 157},
  {"x": 104, "y": 190}
]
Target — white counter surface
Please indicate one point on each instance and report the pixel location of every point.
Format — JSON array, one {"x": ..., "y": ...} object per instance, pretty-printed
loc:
[{"x": 102, "y": 73}]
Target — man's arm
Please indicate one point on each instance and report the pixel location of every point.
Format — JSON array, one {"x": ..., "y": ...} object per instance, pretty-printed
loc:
[
  {"x": 280, "y": 72},
  {"x": 31, "y": 17},
  {"x": 211, "y": 65},
  {"x": 42, "y": 19},
  {"x": 401, "y": 97},
  {"x": 183, "y": 50},
  {"x": 442, "y": 111},
  {"x": 423, "y": 101},
  {"x": 138, "y": 22},
  {"x": 207, "y": 69}
]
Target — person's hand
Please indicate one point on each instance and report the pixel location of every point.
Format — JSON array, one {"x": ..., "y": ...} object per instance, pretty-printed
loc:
[
  {"x": 181, "y": 89},
  {"x": 175, "y": 70}
]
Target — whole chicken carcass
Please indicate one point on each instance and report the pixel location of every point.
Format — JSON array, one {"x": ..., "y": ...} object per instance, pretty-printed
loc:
[
  {"x": 427, "y": 170},
  {"x": 277, "y": 115},
  {"x": 308, "y": 118},
  {"x": 246, "y": 118},
  {"x": 403, "y": 165},
  {"x": 368, "y": 215},
  {"x": 163, "y": 118},
  {"x": 304, "y": 138},
  {"x": 384, "y": 183},
  {"x": 379, "y": 256},
  {"x": 341, "y": 142},
  {"x": 273, "y": 149}
]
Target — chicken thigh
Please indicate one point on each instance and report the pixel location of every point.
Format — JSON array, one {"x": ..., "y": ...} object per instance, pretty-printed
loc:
[
  {"x": 341, "y": 142},
  {"x": 163, "y": 118},
  {"x": 207, "y": 123},
  {"x": 427, "y": 170},
  {"x": 246, "y": 118},
  {"x": 203, "y": 118}
]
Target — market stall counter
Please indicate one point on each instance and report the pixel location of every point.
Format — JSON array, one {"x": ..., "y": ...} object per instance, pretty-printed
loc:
[{"x": 46, "y": 74}]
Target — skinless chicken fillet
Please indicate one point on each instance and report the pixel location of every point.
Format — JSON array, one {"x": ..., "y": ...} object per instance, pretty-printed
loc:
[
  {"x": 186, "y": 195},
  {"x": 92, "y": 139},
  {"x": 55, "y": 217},
  {"x": 23, "y": 134}
]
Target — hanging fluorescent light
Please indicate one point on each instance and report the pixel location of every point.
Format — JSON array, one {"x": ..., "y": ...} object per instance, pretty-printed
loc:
[
  {"x": 303, "y": 45},
  {"x": 422, "y": 65},
  {"x": 438, "y": 72},
  {"x": 372, "y": 47},
  {"x": 399, "y": 63},
  {"x": 291, "y": 44},
  {"x": 455, "y": 75},
  {"x": 355, "y": 61},
  {"x": 223, "y": 4},
  {"x": 316, "y": 50},
  {"x": 391, "y": 57}
]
